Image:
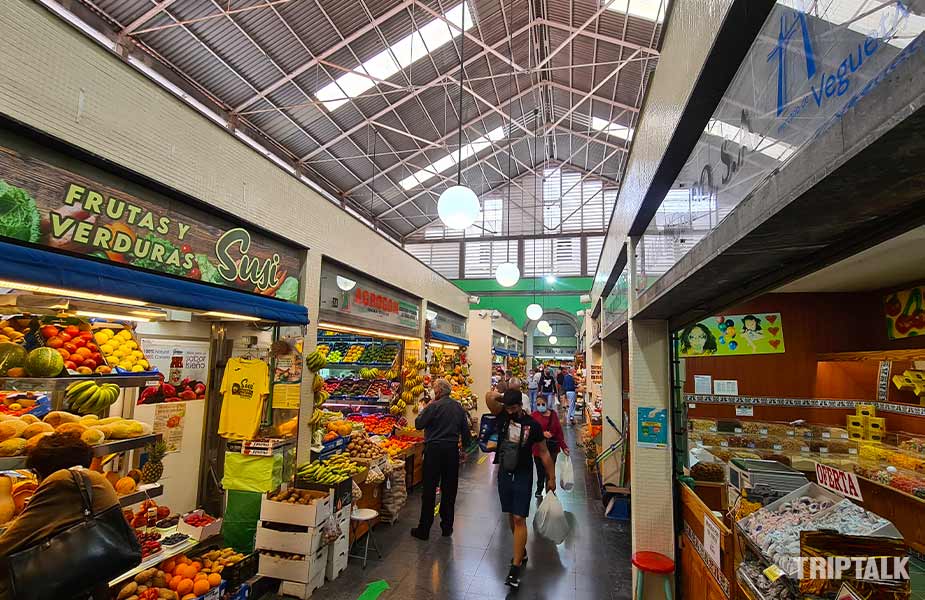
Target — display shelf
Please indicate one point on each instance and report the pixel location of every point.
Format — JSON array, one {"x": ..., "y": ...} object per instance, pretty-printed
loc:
[
  {"x": 878, "y": 355},
  {"x": 117, "y": 446},
  {"x": 151, "y": 490},
  {"x": 358, "y": 365},
  {"x": 153, "y": 560},
  {"x": 11, "y": 463},
  {"x": 59, "y": 384}
]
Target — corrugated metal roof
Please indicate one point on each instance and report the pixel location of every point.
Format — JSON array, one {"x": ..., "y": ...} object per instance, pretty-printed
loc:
[{"x": 269, "y": 58}]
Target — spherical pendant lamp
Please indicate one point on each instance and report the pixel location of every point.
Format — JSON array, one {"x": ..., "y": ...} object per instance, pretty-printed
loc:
[
  {"x": 553, "y": 339},
  {"x": 458, "y": 207},
  {"x": 544, "y": 327},
  {"x": 534, "y": 311},
  {"x": 507, "y": 274}
]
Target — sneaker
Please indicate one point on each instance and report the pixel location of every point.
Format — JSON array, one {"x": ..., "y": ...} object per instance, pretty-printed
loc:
[
  {"x": 523, "y": 563},
  {"x": 420, "y": 533},
  {"x": 447, "y": 532},
  {"x": 513, "y": 577}
]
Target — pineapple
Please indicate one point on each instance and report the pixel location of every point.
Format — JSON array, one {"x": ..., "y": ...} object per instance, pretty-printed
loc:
[{"x": 153, "y": 470}]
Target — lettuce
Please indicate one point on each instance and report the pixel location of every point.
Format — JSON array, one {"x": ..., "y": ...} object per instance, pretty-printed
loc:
[
  {"x": 289, "y": 290},
  {"x": 19, "y": 217},
  {"x": 209, "y": 272}
]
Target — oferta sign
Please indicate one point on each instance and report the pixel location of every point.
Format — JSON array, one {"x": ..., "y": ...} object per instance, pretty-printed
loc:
[{"x": 43, "y": 204}]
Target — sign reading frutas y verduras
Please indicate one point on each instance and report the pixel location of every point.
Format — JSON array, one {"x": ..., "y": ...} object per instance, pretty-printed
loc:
[
  {"x": 43, "y": 204},
  {"x": 734, "y": 335}
]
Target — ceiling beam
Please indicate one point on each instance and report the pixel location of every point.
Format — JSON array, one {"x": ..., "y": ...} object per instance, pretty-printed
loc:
[
  {"x": 601, "y": 99},
  {"x": 314, "y": 60},
  {"x": 597, "y": 36},
  {"x": 147, "y": 16},
  {"x": 596, "y": 87}
]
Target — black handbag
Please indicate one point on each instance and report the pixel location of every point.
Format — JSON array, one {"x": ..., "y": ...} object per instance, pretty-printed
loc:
[{"x": 75, "y": 561}]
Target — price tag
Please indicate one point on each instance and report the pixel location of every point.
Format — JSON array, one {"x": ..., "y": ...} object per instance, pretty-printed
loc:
[
  {"x": 153, "y": 383},
  {"x": 804, "y": 448},
  {"x": 773, "y": 573},
  {"x": 790, "y": 433},
  {"x": 763, "y": 431},
  {"x": 823, "y": 450},
  {"x": 691, "y": 405},
  {"x": 713, "y": 429},
  {"x": 778, "y": 447},
  {"x": 826, "y": 434},
  {"x": 852, "y": 450},
  {"x": 843, "y": 436},
  {"x": 738, "y": 430},
  {"x": 724, "y": 444}
]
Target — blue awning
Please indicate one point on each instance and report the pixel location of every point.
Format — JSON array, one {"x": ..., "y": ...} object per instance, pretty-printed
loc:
[
  {"x": 449, "y": 339},
  {"x": 504, "y": 352},
  {"x": 43, "y": 267}
]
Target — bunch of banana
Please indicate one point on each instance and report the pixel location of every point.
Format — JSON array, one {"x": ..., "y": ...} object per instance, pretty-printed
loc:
[
  {"x": 331, "y": 471},
  {"x": 421, "y": 365},
  {"x": 317, "y": 416},
  {"x": 316, "y": 361},
  {"x": 368, "y": 373},
  {"x": 391, "y": 374},
  {"x": 89, "y": 397}
]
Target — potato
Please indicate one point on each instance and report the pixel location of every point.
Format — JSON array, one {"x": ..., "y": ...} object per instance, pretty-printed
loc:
[
  {"x": 127, "y": 590},
  {"x": 30, "y": 419}
]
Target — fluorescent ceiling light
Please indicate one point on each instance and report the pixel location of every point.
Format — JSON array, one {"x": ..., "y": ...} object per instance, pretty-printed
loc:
[
  {"x": 99, "y": 315},
  {"x": 431, "y": 314},
  {"x": 766, "y": 145},
  {"x": 651, "y": 10},
  {"x": 232, "y": 316},
  {"x": 396, "y": 57},
  {"x": 615, "y": 129},
  {"x": 880, "y": 18},
  {"x": 41, "y": 289},
  {"x": 448, "y": 161}
]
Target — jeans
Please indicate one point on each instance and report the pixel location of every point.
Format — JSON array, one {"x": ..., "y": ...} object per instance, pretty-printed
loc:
[
  {"x": 571, "y": 405},
  {"x": 441, "y": 467},
  {"x": 541, "y": 471},
  {"x": 532, "y": 393}
]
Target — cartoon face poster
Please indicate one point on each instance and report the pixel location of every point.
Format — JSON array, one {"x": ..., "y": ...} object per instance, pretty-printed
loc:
[{"x": 734, "y": 335}]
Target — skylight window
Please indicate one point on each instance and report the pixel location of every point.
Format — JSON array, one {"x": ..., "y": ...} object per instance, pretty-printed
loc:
[
  {"x": 651, "y": 10},
  {"x": 765, "y": 145},
  {"x": 891, "y": 21},
  {"x": 615, "y": 129},
  {"x": 403, "y": 53},
  {"x": 439, "y": 166}
]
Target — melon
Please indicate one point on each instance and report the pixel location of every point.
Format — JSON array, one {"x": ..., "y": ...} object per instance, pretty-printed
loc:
[
  {"x": 11, "y": 356},
  {"x": 44, "y": 362}
]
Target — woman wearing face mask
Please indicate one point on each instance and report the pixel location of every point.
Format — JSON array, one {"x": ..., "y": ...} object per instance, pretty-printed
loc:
[{"x": 555, "y": 440}]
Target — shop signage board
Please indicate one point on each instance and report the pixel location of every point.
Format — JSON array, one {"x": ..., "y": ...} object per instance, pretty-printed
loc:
[
  {"x": 651, "y": 427},
  {"x": 446, "y": 322},
  {"x": 366, "y": 303},
  {"x": 734, "y": 335},
  {"x": 839, "y": 481},
  {"x": 810, "y": 65},
  {"x": 597, "y": 373},
  {"x": 67, "y": 211},
  {"x": 905, "y": 313},
  {"x": 711, "y": 537},
  {"x": 178, "y": 359}
]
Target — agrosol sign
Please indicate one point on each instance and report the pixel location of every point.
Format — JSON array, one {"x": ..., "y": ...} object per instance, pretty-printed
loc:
[{"x": 46, "y": 205}]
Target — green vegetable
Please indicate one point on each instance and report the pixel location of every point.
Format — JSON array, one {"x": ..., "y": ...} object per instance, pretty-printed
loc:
[
  {"x": 19, "y": 217},
  {"x": 210, "y": 274},
  {"x": 289, "y": 290},
  {"x": 153, "y": 265}
]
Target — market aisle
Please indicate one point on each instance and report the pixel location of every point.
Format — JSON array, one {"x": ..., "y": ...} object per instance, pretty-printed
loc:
[{"x": 592, "y": 565}]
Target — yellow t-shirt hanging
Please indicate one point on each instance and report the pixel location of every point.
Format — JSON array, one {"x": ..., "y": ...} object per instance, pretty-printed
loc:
[{"x": 245, "y": 384}]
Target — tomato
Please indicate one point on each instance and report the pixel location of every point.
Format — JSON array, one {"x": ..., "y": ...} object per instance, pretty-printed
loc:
[
  {"x": 186, "y": 249},
  {"x": 72, "y": 330},
  {"x": 54, "y": 342},
  {"x": 195, "y": 273},
  {"x": 49, "y": 331},
  {"x": 97, "y": 357}
]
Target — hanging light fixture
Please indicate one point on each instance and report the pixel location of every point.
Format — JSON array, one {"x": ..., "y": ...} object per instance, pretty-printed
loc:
[
  {"x": 552, "y": 340},
  {"x": 508, "y": 274},
  {"x": 534, "y": 311},
  {"x": 458, "y": 206},
  {"x": 544, "y": 327}
]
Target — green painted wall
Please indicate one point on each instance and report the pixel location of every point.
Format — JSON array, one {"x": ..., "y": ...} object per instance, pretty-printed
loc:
[{"x": 513, "y": 301}]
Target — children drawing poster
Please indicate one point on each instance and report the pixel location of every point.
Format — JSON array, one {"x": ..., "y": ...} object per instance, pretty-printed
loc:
[{"x": 734, "y": 335}]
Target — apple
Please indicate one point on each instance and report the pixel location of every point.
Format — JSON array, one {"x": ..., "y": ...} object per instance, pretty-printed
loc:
[
  {"x": 70, "y": 365},
  {"x": 64, "y": 353},
  {"x": 86, "y": 335},
  {"x": 84, "y": 370},
  {"x": 64, "y": 336},
  {"x": 84, "y": 352},
  {"x": 79, "y": 342},
  {"x": 90, "y": 363},
  {"x": 54, "y": 342},
  {"x": 72, "y": 330},
  {"x": 103, "y": 370},
  {"x": 97, "y": 357},
  {"x": 49, "y": 331},
  {"x": 70, "y": 347},
  {"x": 92, "y": 347},
  {"x": 77, "y": 359}
]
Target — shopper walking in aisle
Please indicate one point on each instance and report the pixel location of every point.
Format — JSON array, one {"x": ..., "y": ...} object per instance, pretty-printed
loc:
[
  {"x": 56, "y": 504},
  {"x": 555, "y": 441},
  {"x": 548, "y": 388},
  {"x": 444, "y": 421},
  {"x": 560, "y": 378},
  {"x": 518, "y": 435},
  {"x": 568, "y": 386},
  {"x": 533, "y": 386}
]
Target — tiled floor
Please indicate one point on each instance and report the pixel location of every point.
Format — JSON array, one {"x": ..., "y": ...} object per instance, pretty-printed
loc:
[{"x": 593, "y": 564}]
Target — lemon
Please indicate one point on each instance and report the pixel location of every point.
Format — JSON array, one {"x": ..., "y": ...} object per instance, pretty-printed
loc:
[
  {"x": 137, "y": 369},
  {"x": 107, "y": 349},
  {"x": 143, "y": 363},
  {"x": 130, "y": 344},
  {"x": 125, "y": 334},
  {"x": 136, "y": 354},
  {"x": 108, "y": 332},
  {"x": 126, "y": 365}
]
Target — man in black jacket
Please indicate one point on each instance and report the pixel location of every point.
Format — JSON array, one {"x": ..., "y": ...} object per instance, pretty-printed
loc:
[{"x": 444, "y": 420}]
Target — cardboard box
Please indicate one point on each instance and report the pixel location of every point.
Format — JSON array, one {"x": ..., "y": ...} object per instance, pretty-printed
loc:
[
  {"x": 199, "y": 533},
  {"x": 855, "y": 421},
  {"x": 856, "y": 433},
  {"x": 877, "y": 424},
  {"x": 875, "y": 437},
  {"x": 282, "y": 568},
  {"x": 337, "y": 561},
  {"x": 309, "y": 515},
  {"x": 300, "y": 590},
  {"x": 341, "y": 493},
  {"x": 304, "y": 542},
  {"x": 866, "y": 410}
]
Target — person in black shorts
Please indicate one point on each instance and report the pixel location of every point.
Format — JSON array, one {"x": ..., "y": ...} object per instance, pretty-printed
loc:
[{"x": 518, "y": 435}]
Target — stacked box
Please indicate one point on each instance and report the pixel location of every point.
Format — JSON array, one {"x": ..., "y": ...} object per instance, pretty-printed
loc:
[
  {"x": 339, "y": 550},
  {"x": 866, "y": 410},
  {"x": 855, "y": 422}
]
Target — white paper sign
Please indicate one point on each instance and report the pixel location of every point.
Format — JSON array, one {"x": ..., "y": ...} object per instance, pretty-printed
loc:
[
  {"x": 703, "y": 384},
  {"x": 726, "y": 387},
  {"x": 711, "y": 540},
  {"x": 745, "y": 411}
]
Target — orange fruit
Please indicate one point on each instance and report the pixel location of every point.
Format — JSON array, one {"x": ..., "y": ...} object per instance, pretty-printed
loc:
[
  {"x": 185, "y": 587},
  {"x": 189, "y": 597},
  {"x": 174, "y": 582},
  {"x": 215, "y": 579},
  {"x": 200, "y": 576},
  {"x": 168, "y": 566},
  {"x": 183, "y": 559},
  {"x": 198, "y": 565},
  {"x": 201, "y": 587}
]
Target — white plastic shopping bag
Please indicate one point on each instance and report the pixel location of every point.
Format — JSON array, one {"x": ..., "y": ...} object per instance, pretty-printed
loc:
[
  {"x": 550, "y": 521},
  {"x": 566, "y": 474}
]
